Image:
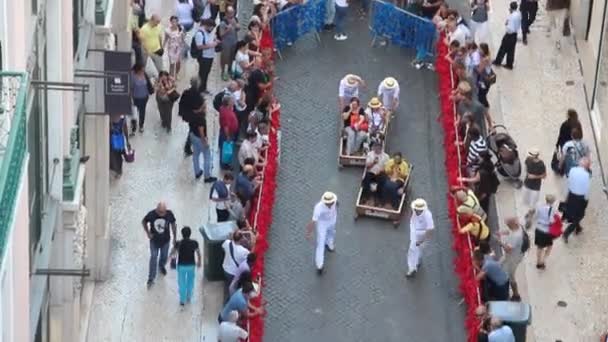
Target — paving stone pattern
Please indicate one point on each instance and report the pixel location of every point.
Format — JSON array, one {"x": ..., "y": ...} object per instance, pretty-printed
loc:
[{"x": 363, "y": 296}]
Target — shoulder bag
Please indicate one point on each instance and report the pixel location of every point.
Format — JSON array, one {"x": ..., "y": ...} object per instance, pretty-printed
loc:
[{"x": 232, "y": 255}]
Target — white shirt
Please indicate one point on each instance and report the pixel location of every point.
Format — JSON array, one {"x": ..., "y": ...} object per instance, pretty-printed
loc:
[
  {"x": 579, "y": 181},
  {"x": 324, "y": 216},
  {"x": 514, "y": 22},
  {"x": 183, "y": 12},
  {"x": 383, "y": 157},
  {"x": 459, "y": 34},
  {"x": 230, "y": 332},
  {"x": 387, "y": 95},
  {"x": 342, "y": 3},
  {"x": 420, "y": 224},
  {"x": 241, "y": 57},
  {"x": 544, "y": 217},
  {"x": 221, "y": 205},
  {"x": 247, "y": 150},
  {"x": 202, "y": 37},
  {"x": 348, "y": 91},
  {"x": 502, "y": 334},
  {"x": 236, "y": 95},
  {"x": 240, "y": 255}
]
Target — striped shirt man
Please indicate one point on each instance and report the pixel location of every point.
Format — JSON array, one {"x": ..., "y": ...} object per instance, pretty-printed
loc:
[{"x": 476, "y": 147}]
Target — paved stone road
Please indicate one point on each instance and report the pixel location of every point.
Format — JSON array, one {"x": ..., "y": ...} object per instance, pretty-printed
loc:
[{"x": 363, "y": 296}]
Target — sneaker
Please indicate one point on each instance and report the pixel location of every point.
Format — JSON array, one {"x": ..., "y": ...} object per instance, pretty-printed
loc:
[
  {"x": 320, "y": 271},
  {"x": 149, "y": 284},
  {"x": 337, "y": 36},
  {"x": 418, "y": 65},
  {"x": 198, "y": 175},
  {"x": 331, "y": 248},
  {"x": 163, "y": 270},
  {"x": 343, "y": 37},
  {"x": 141, "y": 129},
  {"x": 210, "y": 179},
  {"x": 430, "y": 66},
  {"x": 289, "y": 43},
  {"x": 410, "y": 274},
  {"x": 225, "y": 77}
]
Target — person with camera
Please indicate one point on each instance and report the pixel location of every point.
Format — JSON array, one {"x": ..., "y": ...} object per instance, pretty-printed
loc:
[{"x": 206, "y": 46}]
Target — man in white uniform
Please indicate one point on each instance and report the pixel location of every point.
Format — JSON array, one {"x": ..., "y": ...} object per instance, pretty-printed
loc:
[
  {"x": 421, "y": 225},
  {"x": 388, "y": 92},
  {"x": 324, "y": 219},
  {"x": 348, "y": 88}
]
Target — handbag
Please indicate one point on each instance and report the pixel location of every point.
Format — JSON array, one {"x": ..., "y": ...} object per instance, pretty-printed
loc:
[
  {"x": 129, "y": 153},
  {"x": 555, "y": 228},
  {"x": 489, "y": 78},
  {"x": 227, "y": 152},
  {"x": 566, "y": 28},
  {"x": 555, "y": 164},
  {"x": 173, "y": 96},
  {"x": 159, "y": 52}
]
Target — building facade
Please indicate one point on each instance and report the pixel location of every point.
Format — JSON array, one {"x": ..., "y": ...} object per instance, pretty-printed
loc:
[
  {"x": 54, "y": 178},
  {"x": 590, "y": 31}
]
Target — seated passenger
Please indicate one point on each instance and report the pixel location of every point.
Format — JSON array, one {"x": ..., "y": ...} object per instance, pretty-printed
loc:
[
  {"x": 397, "y": 170},
  {"x": 355, "y": 126},
  {"x": 376, "y": 115},
  {"x": 374, "y": 178}
]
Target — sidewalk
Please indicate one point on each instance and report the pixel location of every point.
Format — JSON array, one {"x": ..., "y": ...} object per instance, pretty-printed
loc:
[
  {"x": 532, "y": 101},
  {"x": 122, "y": 309}
]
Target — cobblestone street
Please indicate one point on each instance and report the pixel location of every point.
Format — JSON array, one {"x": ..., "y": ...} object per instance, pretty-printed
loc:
[{"x": 363, "y": 296}]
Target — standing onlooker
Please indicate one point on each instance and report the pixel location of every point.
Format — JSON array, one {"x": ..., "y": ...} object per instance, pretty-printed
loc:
[
  {"x": 472, "y": 59},
  {"x": 324, "y": 217},
  {"x": 242, "y": 64},
  {"x": 565, "y": 135},
  {"x": 119, "y": 143},
  {"x": 500, "y": 332},
  {"x": 528, "y": 10},
  {"x": 243, "y": 268},
  {"x": 234, "y": 255},
  {"x": 485, "y": 179},
  {"x": 496, "y": 280},
  {"x": 249, "y": 150},
  {"x": 257, "y": 84},
  {"x": 479, "y": 21},
  {"x": 467, "y": 103},
  {"x": 220, "y": 194},
  {"x": 151, "y": 37},
  {"x": 330, "y": 15},
  {"x": 174, "y": 45},
  {"x": 245, "y": 186},
  {"x": 388, "y": 91},
  {"x": 141, "y": 89},
  {"x": 421, "y": 226},
  {"x": 165, "y": 90},
  {"x": 573, "y": 150},
  {"x": 535, "y": 173},
  {"x": 477, "y": 146},
  {"x": 229, "y": 129},
  {"x": 557, "y": 11},
  {"x": 206, "y": 43},
  {"x": 509, "y": 40},
  {"x": 239, "y": 301},
  {"x": 512, "y": 243},
  {"x": 229, "y": 331},
  {"x": 188, "y": 255},
  {"x": 159, "y": 224},
  {"x": 191, "y": 104},
  {"x": 228, "y": 33},
  {"x": 485, "y": 75},
  {"x": 340, "y": 18},
  {"x": 579, "y": 184},
  {"x": 200, "y": 145},
  {"x": 183, "y": 11},
  {"x": 545, "y": 216}
]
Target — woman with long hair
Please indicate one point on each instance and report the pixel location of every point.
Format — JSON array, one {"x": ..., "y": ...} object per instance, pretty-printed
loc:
[
  {"x": 165, "y": 87},
  {"x": 174, "y": 45}
]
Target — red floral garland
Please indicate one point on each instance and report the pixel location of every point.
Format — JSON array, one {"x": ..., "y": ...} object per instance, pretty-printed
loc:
[
  {"x": 463, "y": 263},
  {"x": 266, "y": 203}
]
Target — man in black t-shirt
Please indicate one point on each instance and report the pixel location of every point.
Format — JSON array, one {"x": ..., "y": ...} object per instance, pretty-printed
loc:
[
  {"x": 156, "y": 224},
  {"x": 200, "y": 145},
  {"x": 536, "y": 171},
  {"x": 190, "y": 103}
]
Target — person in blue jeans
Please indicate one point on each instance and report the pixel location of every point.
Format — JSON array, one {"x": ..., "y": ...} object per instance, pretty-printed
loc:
[
  {"x": 158, "y": 224},
  {"x": 200, "y": 145},
  {"x": 340, "y": 16},
  {"x": 188, "y": 255}
]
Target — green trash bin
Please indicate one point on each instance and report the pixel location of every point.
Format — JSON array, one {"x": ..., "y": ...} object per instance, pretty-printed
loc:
[
  {"x": 213, "y": 236},
  {"x": 516, "y": 315}
]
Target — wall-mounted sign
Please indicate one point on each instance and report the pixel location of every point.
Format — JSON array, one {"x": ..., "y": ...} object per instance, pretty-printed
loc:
[{"x": 117, "y": 68}]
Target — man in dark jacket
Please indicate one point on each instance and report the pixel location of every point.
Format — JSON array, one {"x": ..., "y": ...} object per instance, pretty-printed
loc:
[{"x": 191, "y": 103}]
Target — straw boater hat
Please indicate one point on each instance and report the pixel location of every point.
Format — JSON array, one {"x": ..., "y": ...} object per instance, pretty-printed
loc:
[
  {"x": 534, "y": 152},
  {"x": 351, "y": 79},
  {"x": 389, "y": 83},
  {"x": 329, "y": 197},
  {"x": 419, "y": 204},
  {"x": 375, "y": 103}
]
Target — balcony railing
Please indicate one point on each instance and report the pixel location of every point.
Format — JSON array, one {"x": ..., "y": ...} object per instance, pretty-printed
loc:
[{"x": 12, "y": 147}]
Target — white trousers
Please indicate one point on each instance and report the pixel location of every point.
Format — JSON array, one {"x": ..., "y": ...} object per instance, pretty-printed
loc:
[
  {"x": 480, "y": 32},
  {"x": 414, "y": 252},
  {"x": 556, "y": 24},
  {"x": 325, "y": 236}
]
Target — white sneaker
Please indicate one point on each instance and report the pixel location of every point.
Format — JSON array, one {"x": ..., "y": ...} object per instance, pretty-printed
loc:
[
  {"x": 337, "y": 36},
  {"x": 418, "y": 65},
  {"x": 342, "y": 37},
  {"x": 430, "y": 66},
  {"x": 411, "y": 273}
]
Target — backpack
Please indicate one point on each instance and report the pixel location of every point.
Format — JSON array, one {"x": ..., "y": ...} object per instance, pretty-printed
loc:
[
  {"x": 573, "y": 155},
  {"x": 195, "y": 52},
  {"x": 117, "y": 139},
  {"x": 525, "y": 243},
  {"x": 217, "y": 99}
]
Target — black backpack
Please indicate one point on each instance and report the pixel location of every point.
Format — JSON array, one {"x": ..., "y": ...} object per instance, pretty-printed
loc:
[
  {"x": 217, "y": 99},
  {"x": 195, "y": 52}
]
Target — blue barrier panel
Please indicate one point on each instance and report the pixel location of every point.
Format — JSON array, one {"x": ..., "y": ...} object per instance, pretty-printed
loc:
[
  {"x": 401, "y": 27},
  {"x": 291, "y": 24}
]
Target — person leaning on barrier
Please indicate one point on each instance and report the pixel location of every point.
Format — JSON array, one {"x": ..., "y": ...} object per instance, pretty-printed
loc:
[
  {"x": 476, "y": 227},
  {"x": 467, "y": 199},
  {"x": 397, "y": 171}
]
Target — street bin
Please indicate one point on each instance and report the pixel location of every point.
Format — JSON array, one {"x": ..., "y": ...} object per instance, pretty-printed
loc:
[
  {"x": 516, "y": 315},
  {"x": 213, "y": 236}
]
